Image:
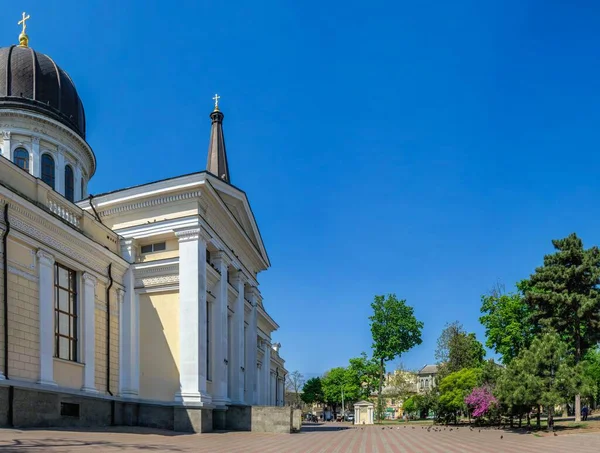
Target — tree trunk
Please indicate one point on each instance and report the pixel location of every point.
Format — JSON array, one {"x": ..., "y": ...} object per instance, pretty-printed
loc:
[
  {"x": 539, "y": 415},
  {"x": 550, "y": 419},
  {"x": 520, "y": 419},
  {"x": 577, "y": 360},
  {"x": 529, "y": 418}
]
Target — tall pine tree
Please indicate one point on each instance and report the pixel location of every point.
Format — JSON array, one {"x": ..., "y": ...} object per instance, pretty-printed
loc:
[{"x": 564, "y": 295}]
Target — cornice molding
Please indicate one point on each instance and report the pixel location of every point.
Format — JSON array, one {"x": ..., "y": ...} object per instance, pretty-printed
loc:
[{"x": 156, "y": 201}]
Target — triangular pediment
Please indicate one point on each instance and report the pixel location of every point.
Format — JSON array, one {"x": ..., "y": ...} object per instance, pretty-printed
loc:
[{"x": 237, "y": 204}]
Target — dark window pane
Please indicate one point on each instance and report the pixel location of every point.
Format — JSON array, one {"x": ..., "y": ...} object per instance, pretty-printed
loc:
[
  {"x": 69, "y": 184},
  {"x": 146, "y": 248},
  {"x": 21, "y": 158},
  {"x": 48, "y": 169},
  {"x": 159, "y": 247},
  {"x": 65, "y": 320}
]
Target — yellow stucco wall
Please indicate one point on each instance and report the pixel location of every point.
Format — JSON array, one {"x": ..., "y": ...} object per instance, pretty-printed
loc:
[
  {"x": 100, "y": 315},
  {"x": 68, "y": 374},
  {"x": 159, "y": 346},
  {"x": 172, "y": 251},
  {"x": 23, "y": 315}
]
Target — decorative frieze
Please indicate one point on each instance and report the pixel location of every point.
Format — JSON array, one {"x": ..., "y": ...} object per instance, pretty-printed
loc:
[{"x": 149, "y": 203}]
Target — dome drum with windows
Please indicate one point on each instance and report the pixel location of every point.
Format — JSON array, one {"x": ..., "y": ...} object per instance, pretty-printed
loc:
[{"x": 44, "y": 127}]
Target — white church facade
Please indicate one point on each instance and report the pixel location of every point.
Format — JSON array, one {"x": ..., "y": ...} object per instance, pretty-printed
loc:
[{"x": 137, "y": 306}]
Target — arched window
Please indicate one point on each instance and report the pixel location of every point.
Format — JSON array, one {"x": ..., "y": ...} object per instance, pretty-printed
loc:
[
  {"x": 69, "y": 184},
  {"x": 48, "y": 169},
  {"x": 21, "y": 158}
]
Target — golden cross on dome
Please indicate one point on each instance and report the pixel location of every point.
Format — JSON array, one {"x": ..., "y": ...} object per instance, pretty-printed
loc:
[
  {"x": 23, "y": 38},
  {"x": 24, "y": 21},
  {"x": 216, "y": 99}
]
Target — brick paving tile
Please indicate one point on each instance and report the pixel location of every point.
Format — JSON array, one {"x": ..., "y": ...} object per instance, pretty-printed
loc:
[{"x": 314, "y": 439}]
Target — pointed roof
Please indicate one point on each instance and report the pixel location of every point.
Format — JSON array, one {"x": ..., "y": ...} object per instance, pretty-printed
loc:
[{"x": 217, "y": 156}]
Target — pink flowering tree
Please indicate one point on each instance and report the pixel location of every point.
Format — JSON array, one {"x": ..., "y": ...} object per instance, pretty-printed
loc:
[{"x": 481, "y": 401}]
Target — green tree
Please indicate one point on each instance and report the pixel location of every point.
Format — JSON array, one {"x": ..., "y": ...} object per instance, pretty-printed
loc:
[
  {"x": 312, "y": 392},
  {"x": 591, "y": 369},
  {"x": 564, "y": 295},
  {"x": 410, "y": 406},
  {"x": 395, "y": 330},
  {"x": 335, "y": 382},
  {"x": 362, "y": 378},
  {"x": 507, "y": 322},
  {"x": 454, "y": 388},
  {"x": 457, "y": 349},
  {"x": 543, "y": 374}
]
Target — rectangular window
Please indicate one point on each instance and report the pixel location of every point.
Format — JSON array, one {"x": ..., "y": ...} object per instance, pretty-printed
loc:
[
  {"x": 158, "y": 247},
  {"x": 208, "y": 371},
  {"x": 65, "y": 313}
]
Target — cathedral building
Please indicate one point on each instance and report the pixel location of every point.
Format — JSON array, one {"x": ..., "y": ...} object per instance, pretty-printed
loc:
[{"x": 136, "y": 306}]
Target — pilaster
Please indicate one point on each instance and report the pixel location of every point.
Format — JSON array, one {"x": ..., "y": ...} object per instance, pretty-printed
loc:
[
  {"x": 59, "y": 182},
  {"x": 219, "y": 338},
  {"x": 267, "y": 373},
  {"x": 6, "y": 148},
  {"x": 35, "y": 157},
  {"x": 252, "y": 370},
  {"x": 46, "y": 308},
  {"x": 89, "y": 333},
  {"x": 77, "y": 182},
  {"x": 192, "y": 316},
  {"x": 129, "y": 327},
  {"x": 237, "y": 365}
]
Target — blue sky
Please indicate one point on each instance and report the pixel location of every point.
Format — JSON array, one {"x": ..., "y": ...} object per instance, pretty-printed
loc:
[{"x": 426, "y": 149}]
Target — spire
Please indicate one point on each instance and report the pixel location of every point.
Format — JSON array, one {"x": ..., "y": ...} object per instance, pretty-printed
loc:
[{"x": 217, "y": 156}]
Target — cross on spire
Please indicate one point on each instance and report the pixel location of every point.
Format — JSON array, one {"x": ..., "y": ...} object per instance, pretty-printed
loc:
[{"x": 216, "y": 98}]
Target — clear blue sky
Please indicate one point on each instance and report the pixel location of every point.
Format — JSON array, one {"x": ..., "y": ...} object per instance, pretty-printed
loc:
[{"x": 422, "y": 148}]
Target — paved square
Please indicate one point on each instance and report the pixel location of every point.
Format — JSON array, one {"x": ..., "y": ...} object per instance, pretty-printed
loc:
[{"x": 328, "y": 438}]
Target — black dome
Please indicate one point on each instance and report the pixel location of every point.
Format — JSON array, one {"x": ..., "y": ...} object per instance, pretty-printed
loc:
[{"x": 31, "y": 80}]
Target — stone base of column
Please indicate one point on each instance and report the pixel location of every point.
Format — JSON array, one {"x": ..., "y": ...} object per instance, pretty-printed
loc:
[
  {"x": 47, "y": 383},
  {"x": 129, "y": 393},
  {"x": 88, "y": 389},
  {"x": 193, "y": 420},
  {"x": 194, "y": 398}
]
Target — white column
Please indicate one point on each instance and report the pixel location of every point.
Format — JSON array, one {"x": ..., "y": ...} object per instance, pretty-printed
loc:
[
  {"x": 77, "y": 183},
  {"x": 122, "y": 358},
  {"x": 46, "y": 308},
  {"x": 237, "y": 365},
  {"x": 89, "y": 333},
  {"x": 6, "y": 151},
  {"x": 192, "y": 316},
  {"x": 267, "y": 374},
  {"x": 258, "y": 381},
  {"x": 219, "y": 333},
  {"x": 252, "y": 373},
  {"x": 34, "y": 167},
  {"x": 59, "y": 181},
  {"x": 129, "y": 327}
]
